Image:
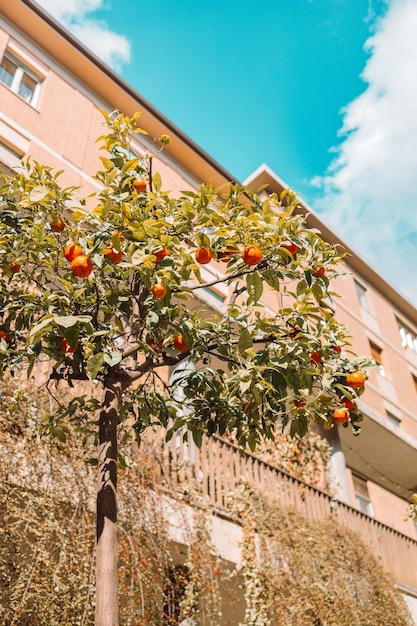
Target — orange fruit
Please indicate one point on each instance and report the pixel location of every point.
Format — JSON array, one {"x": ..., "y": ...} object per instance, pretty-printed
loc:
[
  {"x": 319, "y": 272},
  {"x": 159, "y": 291},
  {"x": 337, "y": 349},
  {"x": 82, "y": 266},
  {"x": 16, "y": 267},
  {"x": 252, "y": 255},
  {"x": 139, "y": 185},
  {"x": 294, "y": 330},
  {"x": 300, "y": 404},
  {"x": 291, "y": 247},
  {"x": 246, "y": 407},
  {"x": 112, "y": 254},
  {"x": 4, "y": 335},
  {"x": 203, "y": 256},
  {"x": 72, "y": 250},
  {"x": 355, "y": 380},
  {"x": 340, "y": 416},
  {"x": 65, "y": 347},
  {"x": 58, "y": 225},
  {"x": 158, "y": 347},
  {"x": 179, "y": 343},
  {"x": 315, "y": 357},
  {"x": 161, "y": 254},
  {"x": 349, "y": 404}
]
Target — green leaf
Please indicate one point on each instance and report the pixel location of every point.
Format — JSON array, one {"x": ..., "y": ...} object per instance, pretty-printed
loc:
[
  {"x": 94, "y": 365},
  {"x": 197, "y": 438},
  {"x": 119, "y": 324},
  {"x": 245, "y": 341},
  {"x": 252, "y": 441},
  {"x": 254, "y": 286},
  {"x": 70, "y": 320},
  {"x": 113, "y": 358},
  {"x": 137, "y": 257},
  {"x": 39, "y": 330},
  {"x": 152, "y": 319},
  {"x": 130, "y": 165},
  {"x": 301, "y": 288},
  {"x": 157, "y": 181},
  {"x": 317, "y": 292},
  {"x": 38, "y": 193},
  {"x": 71, "y": 335}
]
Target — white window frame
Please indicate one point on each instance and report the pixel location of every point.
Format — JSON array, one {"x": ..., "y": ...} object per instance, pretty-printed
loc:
[{"x": 21, "y": 70}]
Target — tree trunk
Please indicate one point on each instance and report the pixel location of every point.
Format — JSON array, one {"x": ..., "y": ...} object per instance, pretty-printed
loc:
[{"x": 107, "y": 609}]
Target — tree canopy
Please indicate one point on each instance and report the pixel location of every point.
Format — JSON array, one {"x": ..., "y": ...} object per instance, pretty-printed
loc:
[{"x": 109, "y": 286}]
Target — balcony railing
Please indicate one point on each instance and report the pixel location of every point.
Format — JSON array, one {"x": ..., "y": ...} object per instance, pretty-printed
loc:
[{"x": 219, "y": 467}]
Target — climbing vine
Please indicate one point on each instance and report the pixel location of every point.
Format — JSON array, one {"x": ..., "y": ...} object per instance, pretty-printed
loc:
[{"x": 292, "y": 571}]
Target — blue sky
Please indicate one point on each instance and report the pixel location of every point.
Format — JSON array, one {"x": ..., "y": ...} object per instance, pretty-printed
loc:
[{"x": 323, "y": 91}]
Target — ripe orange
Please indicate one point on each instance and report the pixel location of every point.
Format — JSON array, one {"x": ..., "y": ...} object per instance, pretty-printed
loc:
[
  {"x": 4, "y": 335},
  {"x": 139, "y": 185},
  {"x": 246, "y": 407},
  {"x": 57, "y": 225},
  {"x": 179, "y": 343},
  {"x": 319, "y": 272},
  {"x": 355, "y": 380},
  {"x": 294, "y": 330},
  {"x": 300, "y": 404},
  {"x": 349, "y": 404},
  {"x": 16, "y": 267},
  {"x": 72, "y": 250},
  {"x": 161, "y": 254},
  {"x": 337, "y": 349},
  {"x": 340, "y": 416},
  {"x": 203, "y": 256},
  {"x": 112, "y": 254},
  {"x": 291, "y": 247},
  {"x": 252, "y": 255},
  {"x": 159, "y": 291},
  {"x": 158, "y": 347},
  {"x": 82, "y": 266},
  {"x": 315, "y": 357},
  {"x": 65, "y": 347}
]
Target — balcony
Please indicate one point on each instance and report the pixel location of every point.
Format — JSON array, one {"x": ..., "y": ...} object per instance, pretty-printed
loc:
[{"x": 219, "y": 467}]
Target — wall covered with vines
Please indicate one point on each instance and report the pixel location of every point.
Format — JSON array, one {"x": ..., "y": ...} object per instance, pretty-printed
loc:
[{"x": 293, "y": 572}]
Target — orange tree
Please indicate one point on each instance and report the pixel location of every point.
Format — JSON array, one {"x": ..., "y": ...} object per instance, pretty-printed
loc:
[{"x": 106, "y": 294}]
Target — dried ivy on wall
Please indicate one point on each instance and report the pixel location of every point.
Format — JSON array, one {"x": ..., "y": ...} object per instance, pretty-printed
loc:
[{"x": 293, "y": 573}]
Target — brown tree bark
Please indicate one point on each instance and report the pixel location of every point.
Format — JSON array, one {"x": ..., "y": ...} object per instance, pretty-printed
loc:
[{"x": 107, "y": 608}]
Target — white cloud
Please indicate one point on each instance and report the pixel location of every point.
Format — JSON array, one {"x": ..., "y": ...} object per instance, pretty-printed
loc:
[
  {"x": 370, "y": 189},
  {"x": 110, "y": 47}
]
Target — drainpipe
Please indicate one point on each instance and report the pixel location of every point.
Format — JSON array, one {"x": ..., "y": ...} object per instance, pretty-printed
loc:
[{"x": 337, "y": 473}]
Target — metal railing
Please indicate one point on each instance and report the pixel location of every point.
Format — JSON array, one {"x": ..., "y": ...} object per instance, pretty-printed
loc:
[{"x": 218, "y": 467}]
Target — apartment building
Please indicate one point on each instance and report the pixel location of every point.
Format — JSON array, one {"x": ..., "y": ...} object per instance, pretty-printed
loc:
[{"x": 51, "y": 90}]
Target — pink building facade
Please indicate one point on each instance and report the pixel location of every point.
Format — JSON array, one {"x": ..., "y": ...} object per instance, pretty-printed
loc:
[{"x": 51, "y": 90}]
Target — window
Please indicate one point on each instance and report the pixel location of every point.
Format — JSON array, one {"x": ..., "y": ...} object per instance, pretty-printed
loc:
[
  {"x": 20, "y": 78},
  {"x": 362, "y": 297},
  {"x": 376, "y": 352},
  {"x": 408, "y": 337},
  {"x": 393, "y": 420},
  {"x": 10, "y": 156},
  {"x": 363, "y": 501}
]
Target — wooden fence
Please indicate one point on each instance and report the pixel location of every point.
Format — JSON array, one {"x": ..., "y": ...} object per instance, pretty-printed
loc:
[{"x": 219, "y": 468}]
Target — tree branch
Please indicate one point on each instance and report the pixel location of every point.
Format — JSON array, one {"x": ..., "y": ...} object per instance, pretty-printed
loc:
[{"x": 262, "y": 265}]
